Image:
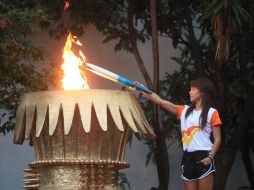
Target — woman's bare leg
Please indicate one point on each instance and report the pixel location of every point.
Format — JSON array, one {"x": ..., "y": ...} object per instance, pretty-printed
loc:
[
  {"x": 191, "y": 185},
  {"x": 206, "y": 183}
]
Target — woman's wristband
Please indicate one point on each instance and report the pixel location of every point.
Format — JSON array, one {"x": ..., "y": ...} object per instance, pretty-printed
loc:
[{"x": 211, "y": 156}]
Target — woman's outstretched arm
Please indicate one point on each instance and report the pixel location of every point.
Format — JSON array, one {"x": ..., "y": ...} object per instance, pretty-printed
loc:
[{"x": 167, "y": 105}]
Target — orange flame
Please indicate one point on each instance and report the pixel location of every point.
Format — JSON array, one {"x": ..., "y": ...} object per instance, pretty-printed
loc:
[
  {"x": 73, "y": 78},
  {"x": 66, "y": 5}
]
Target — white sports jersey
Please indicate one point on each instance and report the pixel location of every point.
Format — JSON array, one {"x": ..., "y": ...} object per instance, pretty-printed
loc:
[{"x": 193, "y": 137}]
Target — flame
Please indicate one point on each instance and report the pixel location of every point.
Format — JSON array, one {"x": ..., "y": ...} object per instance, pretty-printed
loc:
[
  {"x": 73, "y": 78},
  {"x": 66, "y": 5}
]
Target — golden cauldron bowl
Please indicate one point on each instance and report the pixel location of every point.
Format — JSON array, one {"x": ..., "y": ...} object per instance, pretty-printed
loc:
[{"x": 79, "y": 137}]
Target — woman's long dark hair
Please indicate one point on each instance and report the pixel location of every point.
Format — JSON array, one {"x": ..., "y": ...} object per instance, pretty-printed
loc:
[{"x": 207, "y": 90}]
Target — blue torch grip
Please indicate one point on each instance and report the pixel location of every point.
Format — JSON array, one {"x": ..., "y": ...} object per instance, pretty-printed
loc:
[
  {"x": 143, "y": 89},
  {"x": 128, "y": 82}
]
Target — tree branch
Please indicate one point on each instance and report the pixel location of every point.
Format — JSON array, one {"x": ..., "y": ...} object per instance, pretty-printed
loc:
[
  {"x": 161, "y": 155},
  {"x": 133, "y": 41},
  {"x": 156, "y": 71},
  {"x": 195, "y": 48}
]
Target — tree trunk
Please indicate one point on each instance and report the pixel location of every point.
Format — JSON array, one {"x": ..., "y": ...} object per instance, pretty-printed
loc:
[
  {"x": 161, "y": 155},
  {"x": 226, "y": 158},
  {"x": 245, "y": 144},
  {"x": 221, "y": 58}
]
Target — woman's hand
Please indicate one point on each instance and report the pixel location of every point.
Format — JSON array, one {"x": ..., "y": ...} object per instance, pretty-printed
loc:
[
  {"x": 206, "y": 161},
  {"x": 152, "y": 97},
  {"x": 167, "y": 105}
]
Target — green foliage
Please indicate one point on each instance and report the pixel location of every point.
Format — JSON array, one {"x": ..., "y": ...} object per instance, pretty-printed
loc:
[
  {"x": 109, "y": 17},
  {"x": 238, "y": 14},
  {"x": 123, "y": 182},
  {"x": 17, "y": 56}
]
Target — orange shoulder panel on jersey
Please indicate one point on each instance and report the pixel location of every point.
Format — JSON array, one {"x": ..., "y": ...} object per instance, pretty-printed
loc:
[
  {"x": 179, "y": 110},
  {"x": 215, "y": 120}
]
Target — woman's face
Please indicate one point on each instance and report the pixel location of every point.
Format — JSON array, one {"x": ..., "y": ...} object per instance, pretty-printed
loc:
[{"x": 195, "y": 94}]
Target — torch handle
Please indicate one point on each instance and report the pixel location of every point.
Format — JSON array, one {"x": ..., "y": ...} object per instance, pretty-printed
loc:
[{"x": 128, "y": 82}]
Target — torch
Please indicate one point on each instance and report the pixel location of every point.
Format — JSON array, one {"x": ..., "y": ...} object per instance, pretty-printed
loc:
[{"x": 115, "y": 77}]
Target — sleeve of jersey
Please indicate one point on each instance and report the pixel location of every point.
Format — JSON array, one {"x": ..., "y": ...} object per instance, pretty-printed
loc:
[
  {"x": 180, "y": 109},
  {"x": 215, "y": 120}
]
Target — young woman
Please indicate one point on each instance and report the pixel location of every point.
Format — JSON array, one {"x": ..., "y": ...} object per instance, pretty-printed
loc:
[{"x": 198, "y": 122}]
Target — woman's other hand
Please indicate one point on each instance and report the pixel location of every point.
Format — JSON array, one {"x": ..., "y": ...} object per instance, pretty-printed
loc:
[{"x": 206, "y": 161}]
